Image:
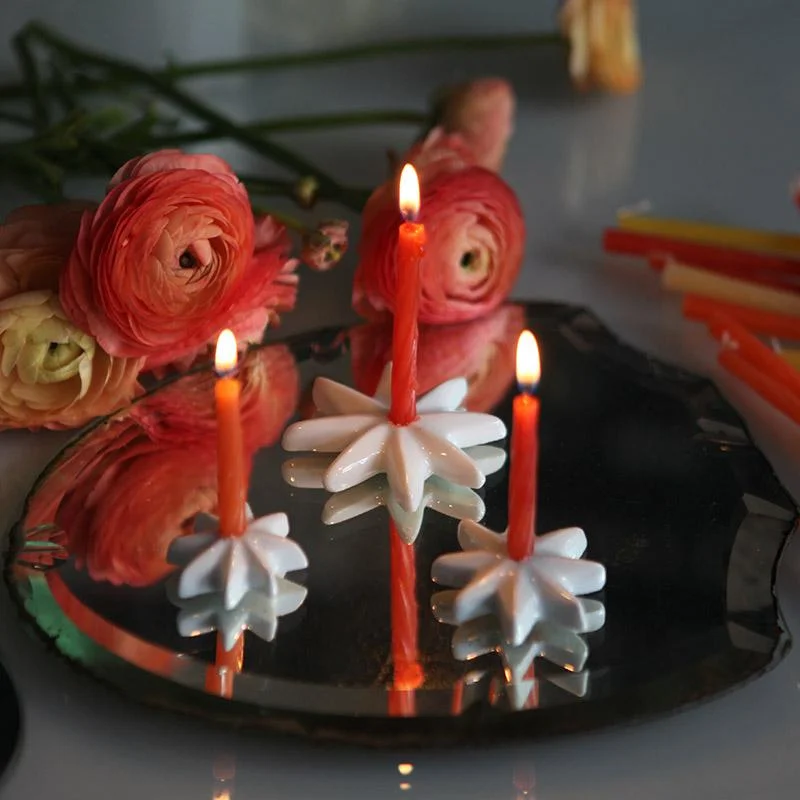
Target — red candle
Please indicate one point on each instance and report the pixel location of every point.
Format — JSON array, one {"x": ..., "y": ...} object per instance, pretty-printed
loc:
[
  {"x": 698, "y": 254},
  {"x": 757, "y": 320},
  {"x": 227, "y": 665},
  {"x": 410, "y": 247},
  {"x": 408, "y": 675},
  {"x": 734, "y": 336},
  {"x": 231, "y": 483},
  {"x": 524, "y": 451},
  {"x": 762, "y": 383}
]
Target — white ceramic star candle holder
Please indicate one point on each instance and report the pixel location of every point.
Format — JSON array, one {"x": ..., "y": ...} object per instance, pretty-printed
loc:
[
  {"x": 308, "y": 472},
  {"x": 357, "y": 428},
  {"x": 545, "y": 586},
  {"x": 232, "y": 566}
]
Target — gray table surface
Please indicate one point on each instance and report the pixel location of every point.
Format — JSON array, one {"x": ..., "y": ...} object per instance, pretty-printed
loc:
[{"x": 714, "y": 134}]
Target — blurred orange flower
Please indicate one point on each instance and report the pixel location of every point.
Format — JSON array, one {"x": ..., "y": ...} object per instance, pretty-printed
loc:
[{"x": 604, "y": 44}]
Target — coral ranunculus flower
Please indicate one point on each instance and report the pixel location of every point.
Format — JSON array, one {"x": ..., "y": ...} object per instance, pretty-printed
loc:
[
  {"x": 35, "y": 242},
  {"x": 482, "y": 351},
  {"x": 52, "y": 374},
  {"x": 482, "y": 112},
  {"x": 184, "y": 411},
  {"x": 164, "y": 262},
  {"x": 604, "y": 44},
  {"x": 475, "y": 240}
]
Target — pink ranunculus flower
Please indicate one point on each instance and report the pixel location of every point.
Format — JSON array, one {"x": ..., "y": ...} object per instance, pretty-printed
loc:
[
  {"x": 252, "y": 315},
  {"x": 168, "y": 160},
  {"x": 53, "y": 375},
  {"x": 482, "y": 112},
  {"x": 324, "y": 247},
  {"x": 167, "y": 260},
  {"x": 482, "y": 351},
  {"x": 35, "y": 242},
  {"x": 475, "y": 239}
]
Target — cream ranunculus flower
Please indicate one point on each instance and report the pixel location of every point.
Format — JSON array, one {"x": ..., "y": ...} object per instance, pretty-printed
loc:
[
  {"x": 604, "y": 44},
  {"x": 53, "y": 375}
]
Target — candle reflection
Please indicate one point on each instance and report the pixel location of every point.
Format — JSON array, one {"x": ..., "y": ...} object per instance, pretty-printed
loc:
[{"x": 408, "y": 675}]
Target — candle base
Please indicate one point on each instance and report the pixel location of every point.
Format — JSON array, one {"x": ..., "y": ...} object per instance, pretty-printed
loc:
[
  {"x": 234, "y": 566},
  {"x": 258, "y": 612},
  {"x": 543, "y": 587},
  {"x": 308, "y": 472},
  {"x": 561, "y": 647},
  {"x": 357, "y": 427}
]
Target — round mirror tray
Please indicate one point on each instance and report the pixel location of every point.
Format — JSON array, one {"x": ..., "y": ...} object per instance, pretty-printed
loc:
[{"x": 683, "y": 511}]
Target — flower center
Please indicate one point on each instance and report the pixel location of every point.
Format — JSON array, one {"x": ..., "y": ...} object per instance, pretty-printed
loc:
[{"x": 187, "y": 260}]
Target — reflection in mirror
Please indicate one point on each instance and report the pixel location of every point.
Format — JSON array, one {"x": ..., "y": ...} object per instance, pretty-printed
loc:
[
  {"x": 691, "y": 611},
  {"x": 138, "y": 480}
]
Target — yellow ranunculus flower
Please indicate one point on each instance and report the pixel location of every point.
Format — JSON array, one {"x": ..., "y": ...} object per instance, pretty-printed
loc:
[{"x": 52, "y": 374}]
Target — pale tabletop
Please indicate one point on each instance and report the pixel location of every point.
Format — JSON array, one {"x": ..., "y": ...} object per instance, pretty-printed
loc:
[{"x": 714, "y": 135}]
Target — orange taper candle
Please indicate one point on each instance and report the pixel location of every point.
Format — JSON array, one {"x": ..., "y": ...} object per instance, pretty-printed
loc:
[
  {"x": 756, "y": 320},
  {"x": 524, "y": 451},
  {"x": 736, "y": 337},
  {"x": 410, "y": 247},
  {"x": 231, "y": 483},
  {"x": 227, "y": 665},
  {"x": 762, "y": 383},
  {"x": 408, "y": 674}
]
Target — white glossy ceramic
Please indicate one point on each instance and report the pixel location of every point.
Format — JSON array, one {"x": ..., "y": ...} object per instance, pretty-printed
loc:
[
  {"x": 357, "y": 427},
  {"x": 520, "y": 593},
  {"x": 236, "y": 565},
  {"x": 308, "y": 472},
  {"x": 258, "y": 611}
]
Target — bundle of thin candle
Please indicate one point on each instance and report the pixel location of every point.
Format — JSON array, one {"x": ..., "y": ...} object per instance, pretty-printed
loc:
[{"x": 740, "y": 282}]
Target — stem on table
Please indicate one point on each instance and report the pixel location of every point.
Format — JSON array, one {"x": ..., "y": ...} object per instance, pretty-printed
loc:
[
  {"x": 332, "y": 56},
  {"x": 227, "y": 129},
  {"x": 307, "y": 122},
  {"x": 31, "y": 79}
]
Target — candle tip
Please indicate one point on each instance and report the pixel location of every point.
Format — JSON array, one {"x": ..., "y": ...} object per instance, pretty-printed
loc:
[
  {"x": 226, "y": 356},
  {"x": 409, "y": 193},
  {"x": 529, "y": 367}
]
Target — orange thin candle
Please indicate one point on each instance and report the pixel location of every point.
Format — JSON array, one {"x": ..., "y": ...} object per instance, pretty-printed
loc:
[
  {"x": 227, "y": 665},
  {"x": 702, "y": 255},
  {"x": 768, "y": 323},
  {"x": 736, "y": 337},
  {"x": 231, "y": 483},
  {"x": 763, "y": 384},
  {"x": 524, "y": 451},
  {"x": 408, "y": 674},
  {"x": 405, "y": 334}
]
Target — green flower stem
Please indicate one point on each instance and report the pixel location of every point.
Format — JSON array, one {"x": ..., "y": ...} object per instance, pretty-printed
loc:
[
  {"x": 307, "y": 122},
  {"x": 353, "y": 197},
  {"x": 332, "y": 56},
  {"x": 128, "y": 72},
  {"x": 16, "y": 119},
  {"x": 398, "y": 47},
  {"x": 287, "y": 220},
  {"x": 32, "y": 80}
]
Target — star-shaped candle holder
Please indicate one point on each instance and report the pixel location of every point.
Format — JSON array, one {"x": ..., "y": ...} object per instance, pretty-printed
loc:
[
  {"x": 258, "y": 611},
  {"x": 235, "y": 565},
  {"x": 308, "y": 472},
  {"x": 357, "y": 428},
  {"x": 542, "y": 587}
]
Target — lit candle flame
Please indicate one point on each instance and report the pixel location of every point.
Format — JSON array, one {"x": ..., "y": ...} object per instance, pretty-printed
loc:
[
  {"x": 409, "y": 193},
  {"x": 226, "y": 356},
  {"x": 529, "y": 366}
]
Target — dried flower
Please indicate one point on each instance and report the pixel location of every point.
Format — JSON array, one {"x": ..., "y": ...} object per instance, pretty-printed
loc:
[
  {"x": 324, "y": 247},
  {"x": 604, "y": 44}
]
